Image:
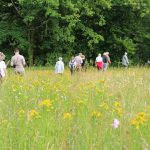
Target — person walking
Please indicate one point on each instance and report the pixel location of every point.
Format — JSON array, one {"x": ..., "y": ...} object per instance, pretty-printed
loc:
[
  {"x": 59, "y": 66},
  {"x": 125, "y": 61},
  {"x": 72, "y": 65},
  {"x": 79, "y": 61},
  {"x": 99, "y": 62},
  {"x": 18, "y": 62},
  {"x": 105, "y": 61},
  {"x": 108, "y": 59},
  {"x": 2, "y": 67}
]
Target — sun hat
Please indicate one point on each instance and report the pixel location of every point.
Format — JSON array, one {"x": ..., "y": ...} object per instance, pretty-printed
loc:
[{"x": 60, "y": 58}]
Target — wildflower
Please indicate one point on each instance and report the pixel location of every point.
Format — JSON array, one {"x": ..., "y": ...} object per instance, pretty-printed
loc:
[
  {"x": 115, "y": 123},
  {"x": 96, "y": 114},
  {"x": 45, "y": 103},
  {"x": 139, "y": 119},
  {"x": 147, "y": 107},
  {"x": 117, "y": 108},
  {"x": 33, "y": 114},
  {"x": 21, "y": 112},
  {"x": 117, "y": 104},
  {"x": 67, "y": 116}
]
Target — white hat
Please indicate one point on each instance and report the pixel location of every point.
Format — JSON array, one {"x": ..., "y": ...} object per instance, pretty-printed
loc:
[
  {"x": 99, "y": 54},
  {"x": 60, "y": 58}
]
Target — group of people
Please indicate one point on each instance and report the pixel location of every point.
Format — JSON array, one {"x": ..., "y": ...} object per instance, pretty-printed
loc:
[
  {"x": 102, "y": 62},
  {"x": 17, "y": 62},
  {"x": 75, "y": 63}
]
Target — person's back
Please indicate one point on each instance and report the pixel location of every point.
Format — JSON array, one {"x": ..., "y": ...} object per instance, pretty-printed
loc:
[
  {"x": 18, "y": 62},
  {"x": 59, "y": 67},
  {"x": 105, "y": 61},
  {"x": 99, "y": 59},
  {"x": 104, "y": 57},
  {"x": 78, "y": 60},
  {"x": 125, "y": 61},
  {"x": 99, "y": 62},
  {"x": 2, "y": 66}
]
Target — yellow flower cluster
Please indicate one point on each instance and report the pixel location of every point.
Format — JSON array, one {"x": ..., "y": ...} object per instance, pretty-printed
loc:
[
  {"x": 118, "y": 107},
  {"x": 148, "y": 107},
  {"x": 33, "y": 114},
  {"x": 67, "y": 116},
  {"x": 139, "y": 119},
  {"x": 96, "y": 114},
  {"x": 21, "y": 112},
  {"x": 45, "y": 103}
]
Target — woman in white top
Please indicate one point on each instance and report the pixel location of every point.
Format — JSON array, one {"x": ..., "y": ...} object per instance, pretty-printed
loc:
[
  {"x": 2, "y": 66},
  {"x": 99, "y": 62},
  {"x": 59, "y": 67}
]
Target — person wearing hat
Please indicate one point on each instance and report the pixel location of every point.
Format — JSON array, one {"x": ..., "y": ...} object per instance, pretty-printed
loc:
[
  {"x": 99, "y": 62},
  {"x": 125, "y": 61},
  {"x": 2, "y": 66},
  {"x": 59, "y": 66}
]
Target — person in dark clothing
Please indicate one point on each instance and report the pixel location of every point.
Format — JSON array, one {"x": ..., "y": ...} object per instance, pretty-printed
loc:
[{"x": 105, "y": 61}]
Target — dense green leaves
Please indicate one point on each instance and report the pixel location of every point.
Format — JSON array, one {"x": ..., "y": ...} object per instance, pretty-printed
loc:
[{"x": 51, "y": 28}]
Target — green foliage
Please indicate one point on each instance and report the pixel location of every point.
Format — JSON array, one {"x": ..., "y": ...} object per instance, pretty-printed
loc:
[{"x": 52, "y": 27}]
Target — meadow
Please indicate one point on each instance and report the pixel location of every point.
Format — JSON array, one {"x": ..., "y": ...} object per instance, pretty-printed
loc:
[{"x": 87, "y": 111}]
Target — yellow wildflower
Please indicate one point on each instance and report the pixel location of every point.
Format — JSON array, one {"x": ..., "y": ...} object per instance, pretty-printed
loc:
[
  {"x": 96, "y": 114},
  {"x": 33, "y": 114},
  {"x": 21, "y": 112},
  {"x": 139, "y": 119},
  {"x": 147, "y": 107},
  {"x": 45, "y": 103},
  {"x": 117, "y": 104},
  {"x": 67, "y": 116}
]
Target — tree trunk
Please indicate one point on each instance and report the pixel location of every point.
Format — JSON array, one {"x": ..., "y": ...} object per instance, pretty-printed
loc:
[{"x": 31, "y": 47}]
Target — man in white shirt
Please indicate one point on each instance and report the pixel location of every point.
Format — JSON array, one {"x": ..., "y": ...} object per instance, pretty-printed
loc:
[{"x": 2, "y": 66}]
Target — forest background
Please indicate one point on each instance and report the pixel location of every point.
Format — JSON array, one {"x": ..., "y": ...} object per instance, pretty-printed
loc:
[{"x": 47, "y": 29}]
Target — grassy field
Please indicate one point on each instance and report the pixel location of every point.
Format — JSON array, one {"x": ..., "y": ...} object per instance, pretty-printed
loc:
[{"x": 44, "y": 111}]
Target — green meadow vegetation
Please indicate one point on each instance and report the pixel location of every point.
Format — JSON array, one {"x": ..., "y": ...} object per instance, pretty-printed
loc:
[{"x": 44, "y": 111}]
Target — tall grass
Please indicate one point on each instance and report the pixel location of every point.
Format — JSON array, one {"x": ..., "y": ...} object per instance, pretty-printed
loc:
[{"x": 44, "y": 111}]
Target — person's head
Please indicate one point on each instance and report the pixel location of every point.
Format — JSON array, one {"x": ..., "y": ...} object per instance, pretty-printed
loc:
[
  {"x": 80, "y": 54},
  {"x": 99, "y": 55},
  {"x": 16, "y": 50},
  {"x": 104, "y": 53},
  {"x": 2, "y": 56},
  {"x": 125, "y": 53},
  {"x": 107, "y": 53},
  {"x": 60, "y": 58}
]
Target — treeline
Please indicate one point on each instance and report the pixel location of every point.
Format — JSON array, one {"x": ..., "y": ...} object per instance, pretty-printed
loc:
[{"x": 47, "y": 29}]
